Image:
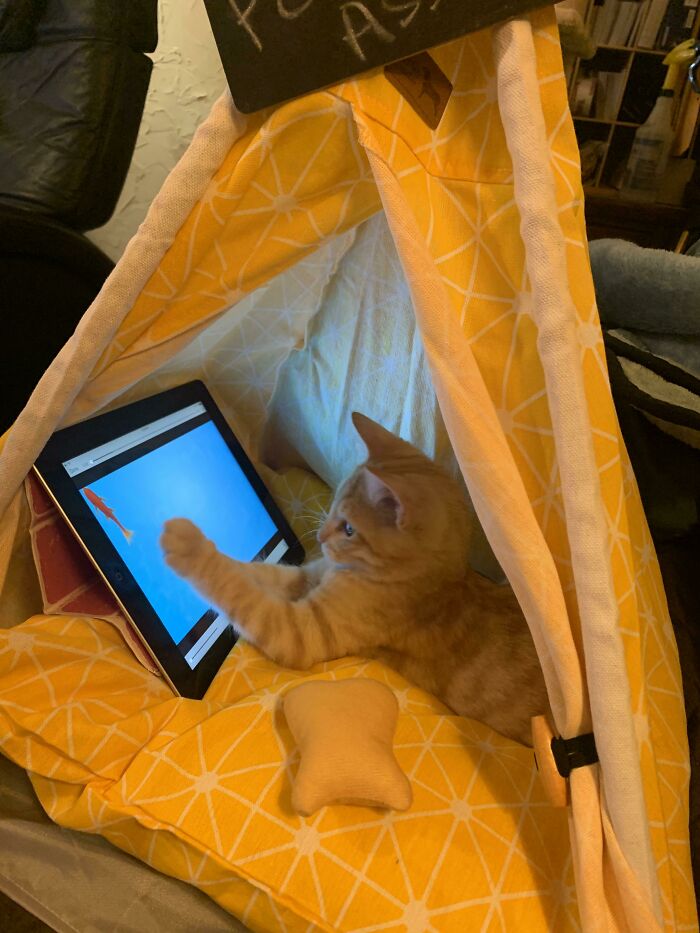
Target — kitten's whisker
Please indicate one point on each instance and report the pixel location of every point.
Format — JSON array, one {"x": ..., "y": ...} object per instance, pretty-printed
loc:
[
  {"x": 311, "y": 533},
  {"x": 315, "y": 520},
  {"x": 309, "y": 517}
]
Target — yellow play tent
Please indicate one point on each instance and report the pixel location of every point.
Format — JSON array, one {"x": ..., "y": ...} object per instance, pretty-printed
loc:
[{"x": 222, "y": 281}]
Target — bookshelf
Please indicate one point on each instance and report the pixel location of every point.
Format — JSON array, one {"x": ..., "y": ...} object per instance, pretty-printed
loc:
[{"x": 613, "y": 93}]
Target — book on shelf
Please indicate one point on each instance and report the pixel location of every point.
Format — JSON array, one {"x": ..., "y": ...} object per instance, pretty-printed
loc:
[
  {"x": 615, "y": 22},
  {"x": 625, "y": 21},
  {"x": 592, "y": 153},
  {"x": 638, "y": 23},
  {"x": 583, "y": 95},
  {"x": 654, "y": 15},
  {"x": 677, "y": 24},
  {"x": 603, "y": 18},
  {"x": 598, "y": 94},
  {"x": 610, "y": 87}
]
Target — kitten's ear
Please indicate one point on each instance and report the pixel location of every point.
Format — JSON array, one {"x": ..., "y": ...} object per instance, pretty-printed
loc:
[
  {"x": 381, "y": 444},
  {"x": 384, "y": 498}
]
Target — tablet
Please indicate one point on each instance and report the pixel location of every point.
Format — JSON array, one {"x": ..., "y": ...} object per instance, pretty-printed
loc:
[{"x": 119, "y": 477}]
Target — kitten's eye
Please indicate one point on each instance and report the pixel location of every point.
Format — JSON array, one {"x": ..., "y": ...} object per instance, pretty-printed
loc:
[{"x": 348, "y": 529}]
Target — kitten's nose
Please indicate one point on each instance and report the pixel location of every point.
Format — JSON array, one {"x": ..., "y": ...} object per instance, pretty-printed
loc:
[{"x": 323, "y": 533}]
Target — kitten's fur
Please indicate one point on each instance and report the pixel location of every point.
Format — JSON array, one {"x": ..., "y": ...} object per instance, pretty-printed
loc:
[{"x": 398, "y": 589}]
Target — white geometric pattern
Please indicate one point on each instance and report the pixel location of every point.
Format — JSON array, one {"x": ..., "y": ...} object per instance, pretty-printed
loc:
[
  {"x": 295, "y": 180},
  {"x": 479, "y": 849}
]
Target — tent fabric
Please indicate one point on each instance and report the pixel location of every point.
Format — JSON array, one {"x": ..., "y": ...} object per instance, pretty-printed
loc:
[
  {"x": 487, "y": 216},
  {"x": 582, "y": 496},
  {"x": 361, "y": 352},
  {"x": 202, "y": 791}
]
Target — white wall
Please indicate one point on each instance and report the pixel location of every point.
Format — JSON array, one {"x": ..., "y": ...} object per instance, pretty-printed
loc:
[{"x": 186, "y": 80}]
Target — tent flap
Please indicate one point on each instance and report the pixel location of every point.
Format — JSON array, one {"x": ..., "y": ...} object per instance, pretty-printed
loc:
[{"x": 486, "y": 213}]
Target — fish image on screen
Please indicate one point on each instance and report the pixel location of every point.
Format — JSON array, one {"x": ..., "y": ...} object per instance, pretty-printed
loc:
[
  {"x": 192, "y": 476},
  {"x": 101, "y": 506}
]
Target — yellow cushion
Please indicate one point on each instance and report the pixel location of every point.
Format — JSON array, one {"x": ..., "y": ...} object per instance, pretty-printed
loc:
[
  {"x": 202, "y": 791},
  {"x": 345, "y": 733}
]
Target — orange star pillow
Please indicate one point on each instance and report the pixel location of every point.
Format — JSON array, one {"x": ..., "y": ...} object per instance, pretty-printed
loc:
[{"x": 345, "y": 732}]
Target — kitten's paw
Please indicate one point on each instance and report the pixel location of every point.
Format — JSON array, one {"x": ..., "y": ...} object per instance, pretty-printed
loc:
[{"x": 183, "y": 545}]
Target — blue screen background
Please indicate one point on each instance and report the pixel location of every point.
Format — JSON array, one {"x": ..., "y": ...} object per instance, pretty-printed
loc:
[{"x": 194, "y": 476}]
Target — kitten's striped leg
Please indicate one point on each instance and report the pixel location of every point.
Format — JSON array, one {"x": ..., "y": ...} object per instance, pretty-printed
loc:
[
  {"x": 287, "y": 581},
  {"x": 295, "y": 633}
]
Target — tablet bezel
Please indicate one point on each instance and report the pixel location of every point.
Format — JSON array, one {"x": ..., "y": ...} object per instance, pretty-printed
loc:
[{"x": 79, "y": 438}]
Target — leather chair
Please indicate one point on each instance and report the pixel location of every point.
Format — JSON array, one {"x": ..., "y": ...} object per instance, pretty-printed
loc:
[{"x": 73, "y": 83}]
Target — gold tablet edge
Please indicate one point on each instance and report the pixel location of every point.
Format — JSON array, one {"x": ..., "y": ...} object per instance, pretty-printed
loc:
[{"x": 109, "y": 586}]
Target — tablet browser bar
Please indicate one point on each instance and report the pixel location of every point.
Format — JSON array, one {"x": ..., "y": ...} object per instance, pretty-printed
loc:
[
  {"x": 98, "y": 455},
  {"x": 202, "y": 646}
]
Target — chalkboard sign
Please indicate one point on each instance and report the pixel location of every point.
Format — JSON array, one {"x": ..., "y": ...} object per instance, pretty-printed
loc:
[{"x": 274, "y": 50}]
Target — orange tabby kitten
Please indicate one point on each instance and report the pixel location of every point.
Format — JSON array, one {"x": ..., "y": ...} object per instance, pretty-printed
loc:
[{"x": 393, "y": 584}]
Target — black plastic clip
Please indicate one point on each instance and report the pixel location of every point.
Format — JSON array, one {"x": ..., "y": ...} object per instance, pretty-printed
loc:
[{"x": 574, "y": 753}]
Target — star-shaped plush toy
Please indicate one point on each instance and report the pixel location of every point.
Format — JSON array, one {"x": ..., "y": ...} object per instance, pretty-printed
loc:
[{"x": 345, "y": 732}]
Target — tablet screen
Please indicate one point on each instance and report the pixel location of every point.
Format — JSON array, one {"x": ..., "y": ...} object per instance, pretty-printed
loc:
[{"x": 177, "y": 466}]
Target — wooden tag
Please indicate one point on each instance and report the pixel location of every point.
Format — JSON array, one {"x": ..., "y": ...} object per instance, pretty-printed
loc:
[{"x": 424, "y": 86}]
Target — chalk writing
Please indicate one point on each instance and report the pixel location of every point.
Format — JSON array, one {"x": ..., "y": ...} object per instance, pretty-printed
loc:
[
  {"x": 286, "y": 13},
  {"x": 357, "y": 13},
  {"x": 243, "y": 19},
  {"x": 412, "y": 6},
  {"x": 380, "y": 19},
  {"x": 275, "y": 50}
]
